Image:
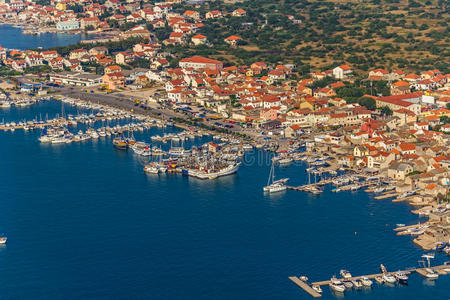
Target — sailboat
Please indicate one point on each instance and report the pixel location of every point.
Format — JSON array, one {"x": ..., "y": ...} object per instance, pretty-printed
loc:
[{"x": 273, "y": 185}]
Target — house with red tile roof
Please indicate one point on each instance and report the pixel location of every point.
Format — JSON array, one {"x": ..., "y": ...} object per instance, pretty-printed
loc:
[{"x": 342, "y": 72}]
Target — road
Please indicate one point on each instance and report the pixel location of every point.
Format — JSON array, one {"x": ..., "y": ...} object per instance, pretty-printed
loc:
[{"x": 154, "y": 110}]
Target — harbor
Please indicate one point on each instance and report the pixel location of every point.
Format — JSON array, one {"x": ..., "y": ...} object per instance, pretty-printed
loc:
[{"x": 97, "y": 189}]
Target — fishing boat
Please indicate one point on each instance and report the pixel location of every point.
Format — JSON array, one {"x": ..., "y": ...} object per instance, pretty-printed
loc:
[
  {"x": 141, "y": 148},
  {"x": 345, "y": 274},
  {"x": 120, "y": 142}
]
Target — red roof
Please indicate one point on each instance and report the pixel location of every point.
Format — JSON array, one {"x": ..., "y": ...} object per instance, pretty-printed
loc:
[{"x": 201, "y": 60}]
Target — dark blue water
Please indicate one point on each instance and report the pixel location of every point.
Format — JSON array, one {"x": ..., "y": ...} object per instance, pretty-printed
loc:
[
  {"x": 84, "y": 222},
  {"x": 14, "y": 38}
]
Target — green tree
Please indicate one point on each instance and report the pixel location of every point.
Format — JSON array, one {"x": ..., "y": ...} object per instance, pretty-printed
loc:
[{"x": 385, "y": 110}]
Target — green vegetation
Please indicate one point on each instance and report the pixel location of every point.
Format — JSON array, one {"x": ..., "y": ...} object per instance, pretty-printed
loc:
[
  {"x": 385, "y": 110},
  {"x": 319, "y": 34}
]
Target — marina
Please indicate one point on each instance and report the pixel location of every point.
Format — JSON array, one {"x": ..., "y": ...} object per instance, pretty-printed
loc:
[
  {"x": 308, "y": 288},
  {"x": 183, "y": 195}
]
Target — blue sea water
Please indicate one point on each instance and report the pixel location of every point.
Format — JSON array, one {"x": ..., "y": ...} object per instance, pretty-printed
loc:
[
  {"x": 13, "y": 38},
  {"x": 84, "y": 222}
]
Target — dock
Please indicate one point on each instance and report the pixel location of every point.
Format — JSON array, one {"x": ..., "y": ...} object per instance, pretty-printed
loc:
[
  {"x": 307, "y": 287},
  {"x": 386, "y": 196},
  {"x": 303, "y": 285}
]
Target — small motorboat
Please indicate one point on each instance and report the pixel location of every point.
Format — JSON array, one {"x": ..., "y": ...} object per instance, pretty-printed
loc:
[
  {"x": 366, "y": 281},
  {"x": 345, "y": 274},
  {"x": 348, "y": 284},
  {"x": 304, "y": 278},
  {"x": 336, "y": 285},
  {"x": 431, "y": 274},
  {"x": 317, "y": 288},
  {"x": 401, "y": 277},
  {"x": 357, "y": 283},
  {"x": 389, "y": 278},
  {"x": 379, "y": 279}
]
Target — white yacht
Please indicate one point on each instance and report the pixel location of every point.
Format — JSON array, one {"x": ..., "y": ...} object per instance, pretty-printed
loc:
[
  {"x": 389, "y": 278},
  {"x": 366, "y": 281},
  {"x": 345, "y": 274},
  {"x": 336, "y": 285}
]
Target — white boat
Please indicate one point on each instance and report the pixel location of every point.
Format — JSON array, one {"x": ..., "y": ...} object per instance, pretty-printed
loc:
[
  {"x": 345, "y": 274},
  {"x": 379, "y": 279},
  {"x": 152, "y": 169},
  {"x": 304, "y": 278},
  {"x": 336, "y": 285},
  {"x": 201, "y": 174},
  {"x": 274, "y": 186},
  {"x": 431, "y": 274},
  {"x": 3, "y": 240},
  {"x": 348, "y": 284},
  {"x": 401, "y": 277},
  {"x": 389, "y": 278},
  {"x": 317, "y": 288},
  {"x": 357, "y": 283},
  {"x": 285, "y": 161},
  {"x": 366, "y": 281}
]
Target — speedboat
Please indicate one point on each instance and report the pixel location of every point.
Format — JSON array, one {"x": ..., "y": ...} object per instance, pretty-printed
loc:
[
  {"x": 151, "y": 169},
  {"x": 389, "y": 278},
  {"x": 379, "y": 279},
  {"x": 348, "y": 284},
  {"x": 317, "y": 288},
  {"x": 336, "y": 285},
  {"x": 3, "y": 240},
  {"x": 431, "y": 274},
  {"x": 366, "y": 281},
  {"x": 401, "y": 277},
  {"x": 345, "y": 274},
  {"x": 357, "y": 283},
  {"x": 304, "y": 278}
]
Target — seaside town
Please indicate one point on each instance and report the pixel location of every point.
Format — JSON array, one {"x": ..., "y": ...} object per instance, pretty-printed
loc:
[{"x": 386, "y": 131}]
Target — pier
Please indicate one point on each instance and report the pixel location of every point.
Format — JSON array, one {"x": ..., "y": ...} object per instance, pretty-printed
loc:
[{"x": 307, "y": 287}]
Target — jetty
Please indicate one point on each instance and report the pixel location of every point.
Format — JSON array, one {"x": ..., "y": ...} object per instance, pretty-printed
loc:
[{"x": 307, "y": 287}]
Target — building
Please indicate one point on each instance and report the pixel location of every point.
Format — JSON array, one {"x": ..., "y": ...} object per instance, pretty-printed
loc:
[
  {"x": 123, "y": 58},
  {"x": 199, "y": 62},
  {"x": 399, "y": 170},
  {"x": 78, "y": 79},
  {"x": 406, "y": 101},
  {"x": 233, "y": 40},
  {"x": 342, "y": 72},
  {"x": 198, "y": 39},
  {"x": 68, "y": 25},
  {"x": 114, "y": 80}
]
